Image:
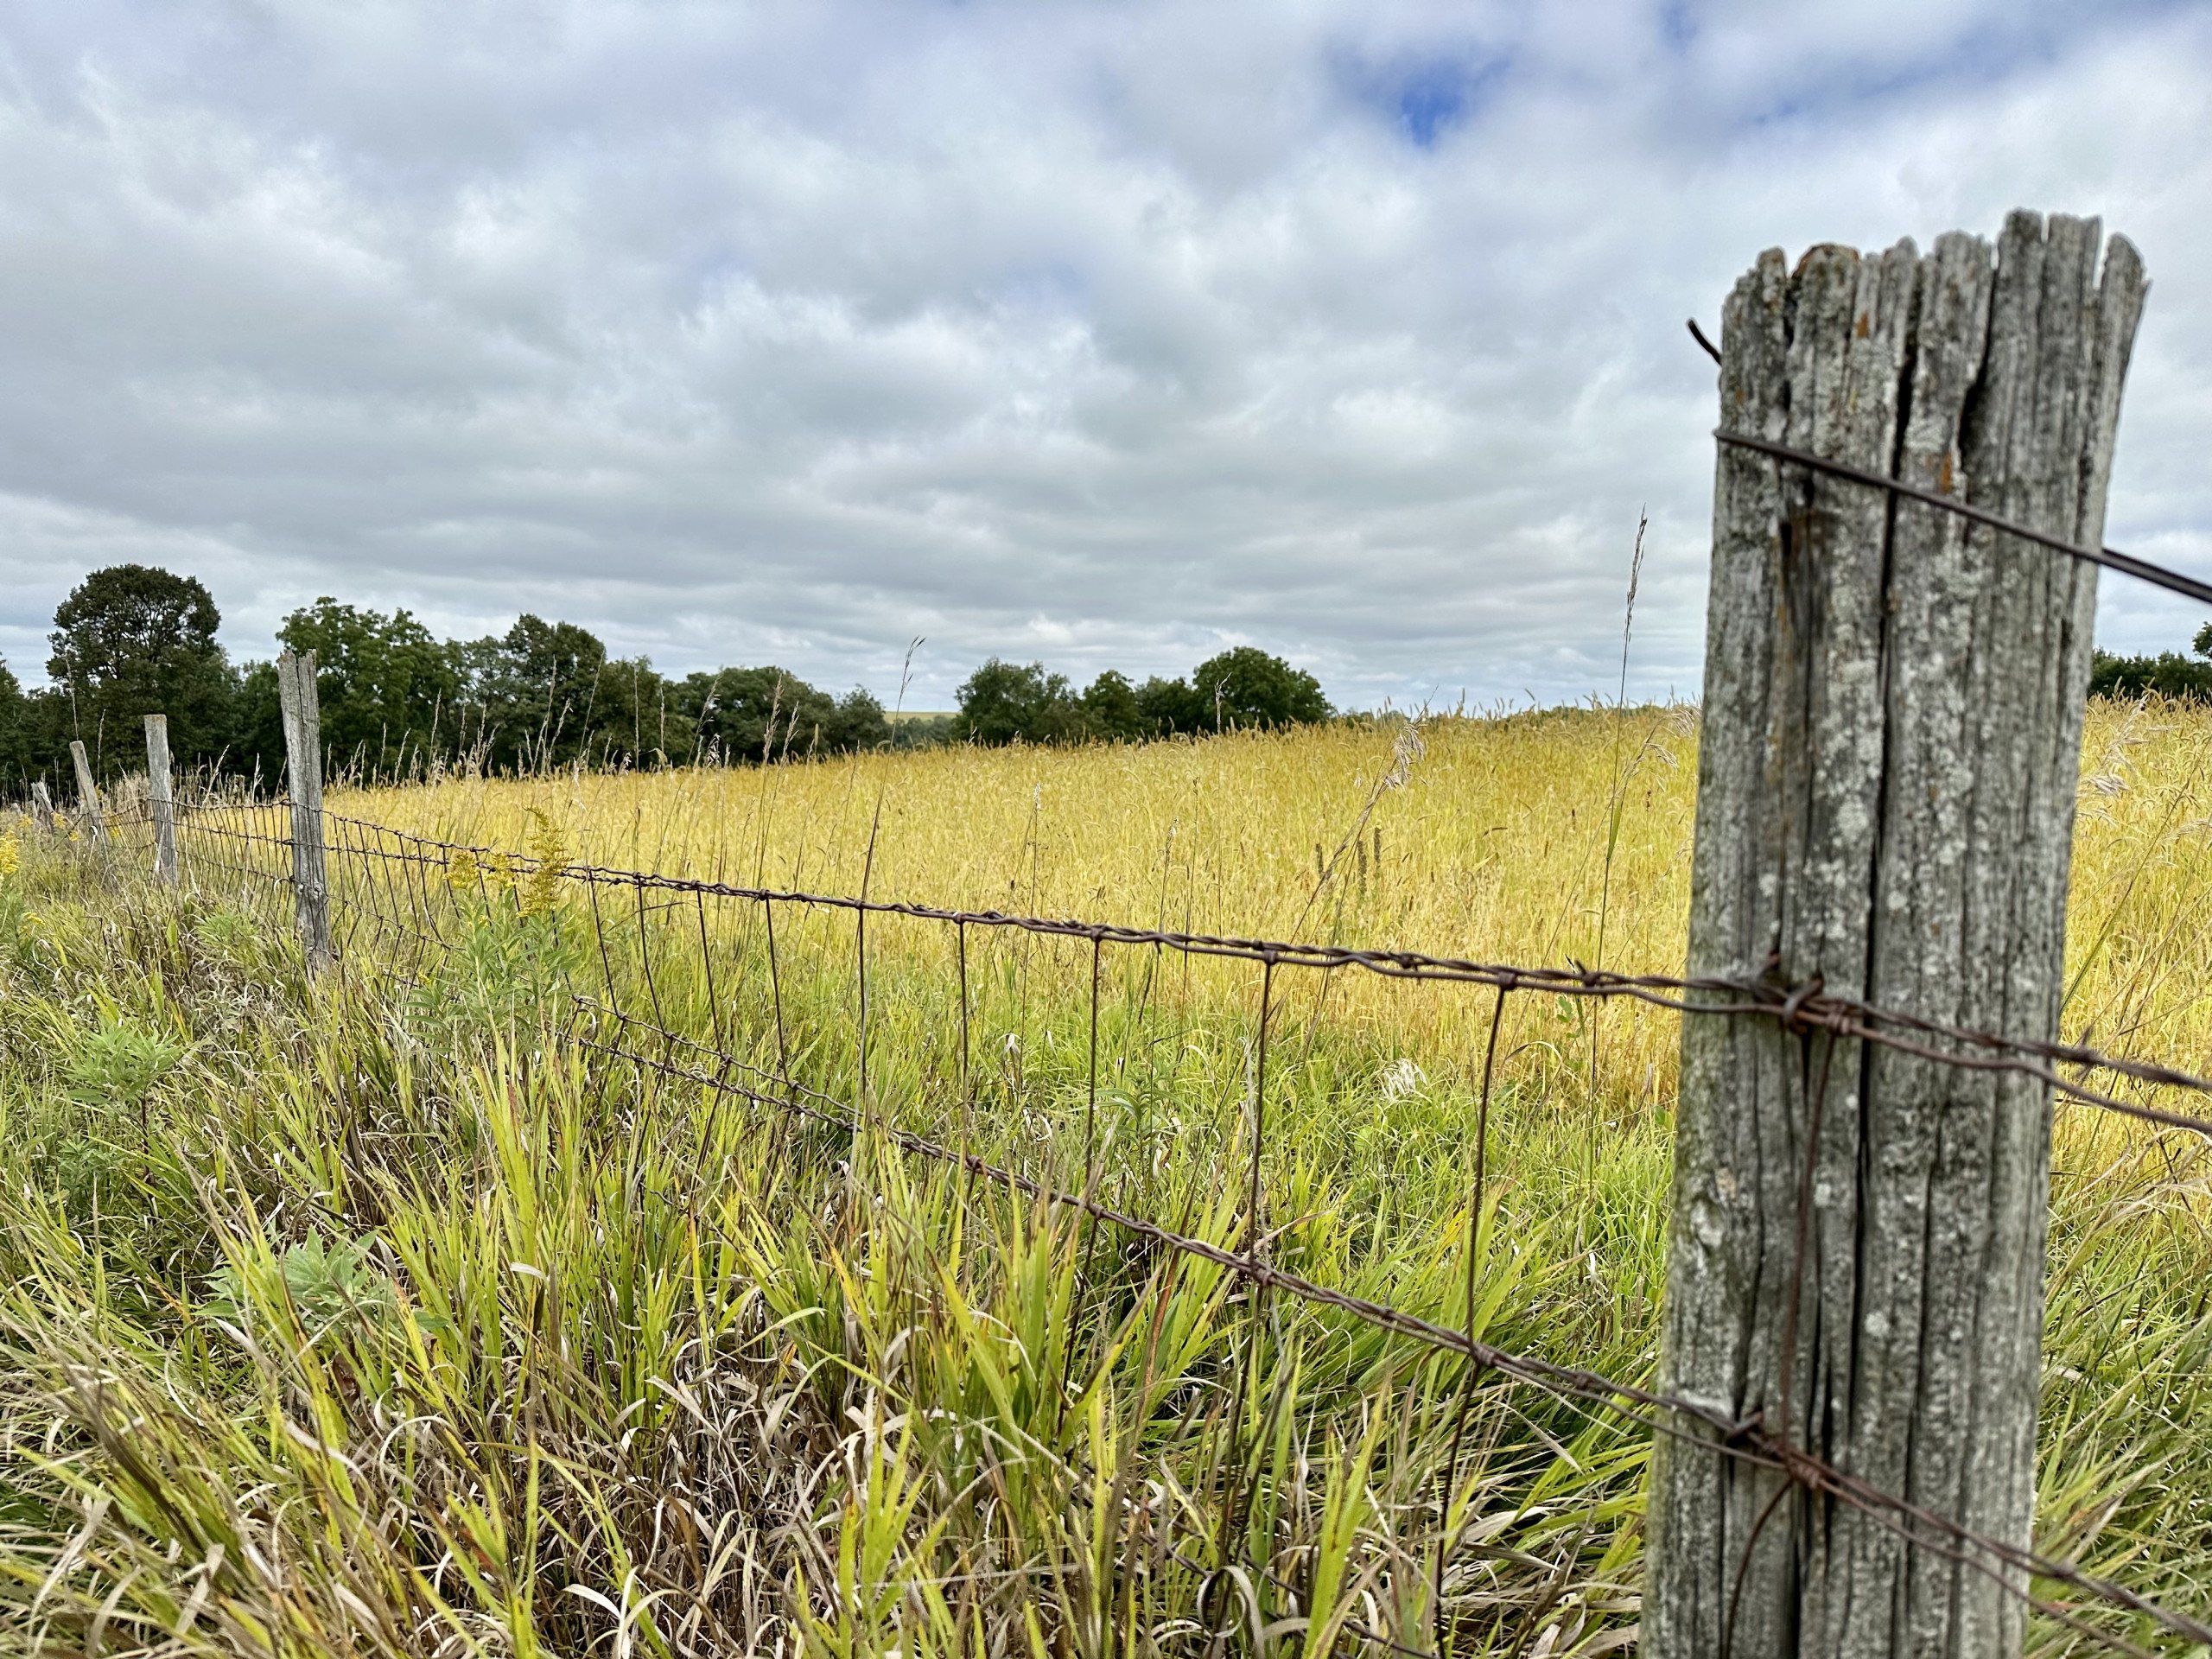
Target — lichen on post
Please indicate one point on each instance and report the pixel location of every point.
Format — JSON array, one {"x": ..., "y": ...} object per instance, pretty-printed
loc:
[{"x": 1892, "y": 716}]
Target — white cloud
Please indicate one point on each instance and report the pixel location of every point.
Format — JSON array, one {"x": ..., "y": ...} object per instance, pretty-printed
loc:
[{"x": 1103, "y": 333}]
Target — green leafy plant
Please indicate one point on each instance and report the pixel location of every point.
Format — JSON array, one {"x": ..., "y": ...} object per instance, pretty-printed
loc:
[
  {"x": 503, "y": 968},
  {"x": 518, "y": 951},
  {"x": 14, "y": 929},
  {"x": 116, "y": 1066},
  {"x": 324, "y": 1283},
  {"x": 227, "y": 930}
]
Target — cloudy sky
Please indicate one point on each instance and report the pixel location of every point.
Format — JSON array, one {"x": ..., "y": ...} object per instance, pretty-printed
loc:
[{"x": 1102, "y": 334}]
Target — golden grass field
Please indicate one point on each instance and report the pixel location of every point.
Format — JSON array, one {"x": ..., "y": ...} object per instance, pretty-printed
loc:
[
  {"x": 1539, "y": 838},
  {"x": 384, "y": 1312}
]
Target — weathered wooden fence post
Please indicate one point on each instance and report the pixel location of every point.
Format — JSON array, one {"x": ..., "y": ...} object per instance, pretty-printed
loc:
[
  {"x": 88, "y": 792},
  {"x": 1893, "y": 719},
  {"x": 43, "y": 798},
  {"x": 295, "y": 693},
  {"x": 161, "y": 799}
]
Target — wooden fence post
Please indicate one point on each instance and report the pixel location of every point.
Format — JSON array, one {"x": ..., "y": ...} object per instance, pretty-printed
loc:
[
  {"x": 1886, "y": 780},
  {"x": 43, "y": 798},
  {"x": 88, "y": 792},
  {"x": 296, "y": 692},
  {"x": 161, "y": 799}
]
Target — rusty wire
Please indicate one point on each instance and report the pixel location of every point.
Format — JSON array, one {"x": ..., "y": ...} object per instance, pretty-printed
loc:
[
  {"x": 374, "y": 847},
  {"x": 1747, "y": 1440},
  {"x": 2127, "y": 564},
  {"x": 2157, "y": 576},
  {"x": 1805, "y": 1007},
  {"x": 402, "y": 859}
]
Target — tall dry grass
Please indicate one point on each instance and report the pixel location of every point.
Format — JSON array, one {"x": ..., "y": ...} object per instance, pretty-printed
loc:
[
  {"x": 382, "y": 1315},
  {"x": 1542, "y": 838}
]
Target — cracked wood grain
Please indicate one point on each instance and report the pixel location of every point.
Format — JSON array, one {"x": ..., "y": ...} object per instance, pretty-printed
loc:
[{"x": 1892, "y": 715}]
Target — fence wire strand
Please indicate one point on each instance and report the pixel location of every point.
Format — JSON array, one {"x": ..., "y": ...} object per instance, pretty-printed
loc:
[
  {"x": 250, "y": 844},
  {"x": 240, "y": 842}
]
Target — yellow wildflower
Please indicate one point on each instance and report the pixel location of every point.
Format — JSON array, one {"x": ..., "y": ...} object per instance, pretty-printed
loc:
[
  {"x": 460, "y": 869},
  {"x": 540, "y": 890}
]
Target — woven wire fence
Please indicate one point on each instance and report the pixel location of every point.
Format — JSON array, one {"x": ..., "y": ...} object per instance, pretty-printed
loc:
[
  {"x": 698, "y": 983},
  {"x": 692, "y": 982}
]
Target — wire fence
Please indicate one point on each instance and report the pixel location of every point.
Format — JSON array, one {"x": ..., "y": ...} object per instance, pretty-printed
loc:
[
  {"x": 697, "y": 982},
  {"x": 693, "y": 982}
]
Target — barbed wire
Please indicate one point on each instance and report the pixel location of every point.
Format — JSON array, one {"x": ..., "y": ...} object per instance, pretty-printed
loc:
[
  {"x": 405, "y": 861},
  {"x": 1745, "y": 1440},
  {"x": 400, "y": 855},
  {"x": 2127, "y": 564},
  {"x": 1806, "y": 1007},
  {"x": 2157, "y": 576}
]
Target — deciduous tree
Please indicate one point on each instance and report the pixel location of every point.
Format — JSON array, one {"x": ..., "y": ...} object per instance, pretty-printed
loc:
[
  {"x": 1002, "y": 702},
  {"x": 133, "y": 639},
  {"x": 752, "y": 715},
  {"x": 1246, "y": 686},
  {"x": 388, "y": 688},
  {"x": 1111, "y": 711}
]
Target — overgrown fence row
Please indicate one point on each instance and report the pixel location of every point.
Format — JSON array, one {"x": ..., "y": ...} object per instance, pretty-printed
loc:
[
  {"x": 1908, "y": 525},
  {"x": 402, "y": 905}
]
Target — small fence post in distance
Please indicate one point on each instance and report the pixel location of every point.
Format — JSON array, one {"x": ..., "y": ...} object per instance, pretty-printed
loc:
[
  {"x": 43, "y": 798},
  {"x": 88, "y": 792},
  {"x": 161, "y": 799},
  {"x": 1886, "y": 781},
  {"x": 296, "y": 692}
]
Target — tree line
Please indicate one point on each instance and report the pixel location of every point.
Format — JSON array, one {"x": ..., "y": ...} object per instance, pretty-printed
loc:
[
  {"x": 397, "y": 703},
  {"x": 1241, "y": 688},
  {"x": 2167, "y": 674}
]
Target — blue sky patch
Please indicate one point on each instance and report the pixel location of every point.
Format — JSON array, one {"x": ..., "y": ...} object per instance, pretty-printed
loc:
[{"x": 1426, "y": 98}]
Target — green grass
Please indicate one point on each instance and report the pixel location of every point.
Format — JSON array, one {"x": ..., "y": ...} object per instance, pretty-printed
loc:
[{"x": 384, "y": 1314}]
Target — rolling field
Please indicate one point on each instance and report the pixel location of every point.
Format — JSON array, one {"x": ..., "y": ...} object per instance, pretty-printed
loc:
[{"x": 388, "y": 1313}]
